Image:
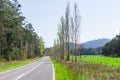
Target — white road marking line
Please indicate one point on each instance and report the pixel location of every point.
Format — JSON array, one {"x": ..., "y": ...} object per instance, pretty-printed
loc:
[
  {"x": 20, "y": 76},
  {"x": 53, "y": 72}
]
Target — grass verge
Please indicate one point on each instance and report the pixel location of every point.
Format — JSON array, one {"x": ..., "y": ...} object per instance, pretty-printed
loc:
[
  {"x": 62, "y": 72},
  {"x": 15, "y": 64}
]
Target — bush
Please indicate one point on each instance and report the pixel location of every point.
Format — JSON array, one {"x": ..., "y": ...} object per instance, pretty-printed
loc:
[{"x": 15, "y": 55}]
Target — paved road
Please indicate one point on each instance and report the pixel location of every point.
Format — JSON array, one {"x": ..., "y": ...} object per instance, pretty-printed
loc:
[{"x": 40, "y": 70}]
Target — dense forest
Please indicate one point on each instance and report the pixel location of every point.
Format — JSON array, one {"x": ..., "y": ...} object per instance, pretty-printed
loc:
[
  {"x": 18, "y": 40},
  {"x": 112, "y": 48}
]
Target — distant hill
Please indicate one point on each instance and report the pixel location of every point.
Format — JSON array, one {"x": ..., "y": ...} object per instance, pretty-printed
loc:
[{"x": 95, "y": 43}]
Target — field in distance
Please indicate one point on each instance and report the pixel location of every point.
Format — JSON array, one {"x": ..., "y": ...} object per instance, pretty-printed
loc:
[{"x": 108, "y": 61}]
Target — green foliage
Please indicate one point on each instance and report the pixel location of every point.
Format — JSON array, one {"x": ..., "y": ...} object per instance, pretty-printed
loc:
[
  {"x": 17, "y": 40},
  {"x": 112, "y": 48},
  {"x": 91, "y": 51},
  {"x": 41, "y": 46},
  {"x": 15, "y": 54}
]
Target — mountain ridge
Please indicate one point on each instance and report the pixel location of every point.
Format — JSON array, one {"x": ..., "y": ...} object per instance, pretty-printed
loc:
[{"x": 95, "y": 43}]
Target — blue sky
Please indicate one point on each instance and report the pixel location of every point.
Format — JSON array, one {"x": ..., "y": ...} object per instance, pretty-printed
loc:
[{"x": 99, "y": 18}]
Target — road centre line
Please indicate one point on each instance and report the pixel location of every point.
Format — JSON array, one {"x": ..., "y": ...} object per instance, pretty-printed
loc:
[{"x": 22, "y": 75}]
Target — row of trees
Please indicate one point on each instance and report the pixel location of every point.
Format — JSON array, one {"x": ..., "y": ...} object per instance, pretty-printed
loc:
[
  {"x": 112, "y": 48},
  {"x": 91, "y": 51},
  {"x": 17, "y": 37},
  {"x": 68, "y": 32}
]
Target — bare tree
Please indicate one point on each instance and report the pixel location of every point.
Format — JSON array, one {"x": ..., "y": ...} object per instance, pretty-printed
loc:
[
  {"x": 54, "y": 49},
  {"x": 61, "y": 36},
  {"x": 59, "y": 40},
  {"x": 67, "y": 31},
  {"x": 77, "y": 28},
  {"x": 72, "y": 30}
]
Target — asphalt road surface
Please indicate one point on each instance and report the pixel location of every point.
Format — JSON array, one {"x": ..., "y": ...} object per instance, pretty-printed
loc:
[{"x": 40, "y": 70}]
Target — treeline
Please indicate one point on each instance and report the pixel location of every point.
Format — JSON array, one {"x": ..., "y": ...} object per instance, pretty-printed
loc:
[
  {"x": 91, "y": 51},
  {"x": 18, "y": 40},
  {"x": 68, "y": 31},
  {"x": 112, "y": 48}
]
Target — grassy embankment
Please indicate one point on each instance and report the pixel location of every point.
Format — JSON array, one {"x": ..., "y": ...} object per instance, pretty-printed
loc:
[{"x": 5, "y": 66}]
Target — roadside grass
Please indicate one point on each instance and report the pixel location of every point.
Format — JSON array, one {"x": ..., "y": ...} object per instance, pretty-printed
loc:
[
  {"x": 5, "y": 66},
  {"x": 63, "y": 72}
]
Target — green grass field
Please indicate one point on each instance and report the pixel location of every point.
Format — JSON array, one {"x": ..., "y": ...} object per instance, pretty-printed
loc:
[
  {"x": 108, "y": 61},
  {"x": 15, "y": 64}
]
